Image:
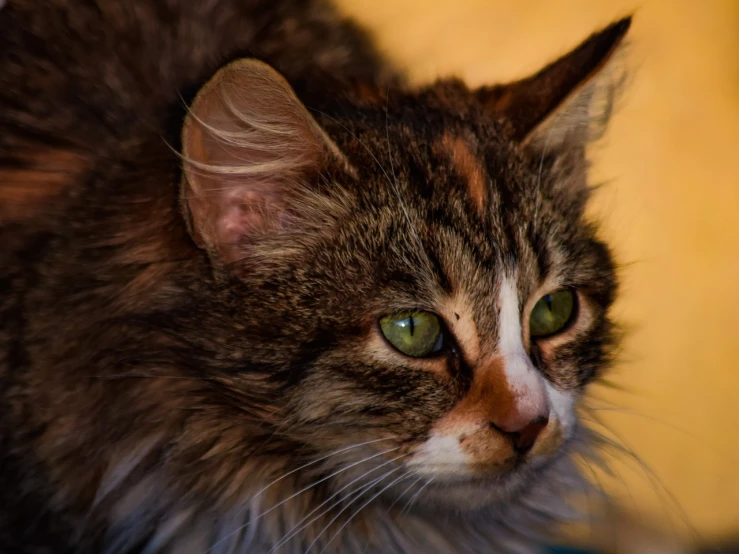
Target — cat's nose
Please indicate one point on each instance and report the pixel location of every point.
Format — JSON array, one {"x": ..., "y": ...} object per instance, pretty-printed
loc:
[{"x": 522, "y": 431}]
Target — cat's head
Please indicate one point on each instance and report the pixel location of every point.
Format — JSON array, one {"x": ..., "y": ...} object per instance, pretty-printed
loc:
[{"x": 407, "y": 280}]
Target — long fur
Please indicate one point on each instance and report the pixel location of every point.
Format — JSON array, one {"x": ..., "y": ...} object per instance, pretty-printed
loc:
[{"x": 154, "y": 401}]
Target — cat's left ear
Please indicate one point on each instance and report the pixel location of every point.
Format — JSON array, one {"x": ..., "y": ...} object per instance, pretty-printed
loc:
[
  {"x": 554, "y": 105},
  {"x": 252, "y": 152}
]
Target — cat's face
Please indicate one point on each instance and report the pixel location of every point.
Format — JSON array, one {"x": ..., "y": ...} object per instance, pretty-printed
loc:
[
  {"x": 468, "y": 396},
  {"x": 416, "y": 288}
]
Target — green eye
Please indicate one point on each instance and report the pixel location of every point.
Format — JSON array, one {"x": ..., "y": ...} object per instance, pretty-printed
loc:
[
  {"x": 416, "y": 334},
  {"x": 551, "y": 313}
]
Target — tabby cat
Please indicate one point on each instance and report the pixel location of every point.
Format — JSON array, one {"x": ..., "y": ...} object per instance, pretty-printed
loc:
[{"x": 260, "y": 295}]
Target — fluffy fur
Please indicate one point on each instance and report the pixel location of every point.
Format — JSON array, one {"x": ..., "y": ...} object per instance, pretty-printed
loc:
[{"x": 163, "y": 390}]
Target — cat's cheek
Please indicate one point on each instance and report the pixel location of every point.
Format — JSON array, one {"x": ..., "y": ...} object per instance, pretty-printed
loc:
[
  {"x": 562, "y": 424},
  {"x": 440, "y": 456},
  {"x": 562, "y": 405}
]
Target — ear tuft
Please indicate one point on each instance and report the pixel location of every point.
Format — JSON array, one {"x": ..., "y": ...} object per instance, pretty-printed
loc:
[
  {"x": 556, "y": 104},
  {"x": 249, "y": 146}
]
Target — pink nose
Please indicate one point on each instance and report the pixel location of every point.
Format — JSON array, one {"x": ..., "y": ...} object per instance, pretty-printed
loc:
[{"x": 522, "y": 432}]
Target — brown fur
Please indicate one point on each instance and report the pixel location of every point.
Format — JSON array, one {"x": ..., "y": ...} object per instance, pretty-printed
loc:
[
  {"x": 39, "y": 178},
  {"x": 164, "y": 387},
  {"x": 469, "y": 168}
]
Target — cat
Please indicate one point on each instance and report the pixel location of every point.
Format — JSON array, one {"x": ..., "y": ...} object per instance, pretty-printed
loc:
[{"x": 259, "y": 294}]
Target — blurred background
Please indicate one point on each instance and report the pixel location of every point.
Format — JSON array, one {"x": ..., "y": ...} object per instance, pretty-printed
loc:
[{"x": 670, "y": 162}]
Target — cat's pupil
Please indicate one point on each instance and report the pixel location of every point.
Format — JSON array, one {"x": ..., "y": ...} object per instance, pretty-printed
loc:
[{"x": 548, "y": 300}]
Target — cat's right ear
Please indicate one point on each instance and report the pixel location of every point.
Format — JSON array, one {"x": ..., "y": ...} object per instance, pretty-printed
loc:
[{"x": 249, "y": 147}]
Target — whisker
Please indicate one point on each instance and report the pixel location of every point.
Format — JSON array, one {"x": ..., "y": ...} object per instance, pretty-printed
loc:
[
  {"x": 329, "y": 476},
  {"x": 402, "y": 494},
  {"x": 294, "y": 531},
  {"x": 361, "y": 492},
  {"x": 407, "y": 507},
  {"x": 351, "y": 497},
  {"x": 669, "y": 503},
  {"x": 613, "y": 472},
  {"x": 664, "y": 494},
  {"x": 681, "y": 430},
  {"x": 241, "y": 528},
  {"x": 362, "y": 507},
  {"x": 599, "y": 485}
]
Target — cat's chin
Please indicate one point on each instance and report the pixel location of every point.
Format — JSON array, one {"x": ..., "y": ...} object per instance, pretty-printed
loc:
[
  {"x": 472, "y": 493},
  {"x": 469, "y": 496}
]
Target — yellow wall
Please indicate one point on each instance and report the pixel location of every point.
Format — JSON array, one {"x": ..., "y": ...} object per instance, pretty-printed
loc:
[{"x": 672, "y": 160}]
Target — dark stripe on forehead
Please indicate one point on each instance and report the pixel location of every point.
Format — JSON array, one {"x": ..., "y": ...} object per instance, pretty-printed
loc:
[
  {"x": 438, "y": 269},
  {"x": 543, "y": 256}
]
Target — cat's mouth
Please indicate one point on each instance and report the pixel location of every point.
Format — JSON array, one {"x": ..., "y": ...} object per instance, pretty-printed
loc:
[{"x": 474, "y": 490}]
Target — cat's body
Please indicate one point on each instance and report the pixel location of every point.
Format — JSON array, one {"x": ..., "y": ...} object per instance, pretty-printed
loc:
[{"x": 165, "y": 390}]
